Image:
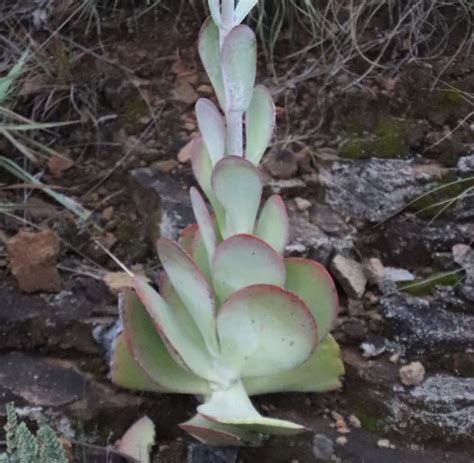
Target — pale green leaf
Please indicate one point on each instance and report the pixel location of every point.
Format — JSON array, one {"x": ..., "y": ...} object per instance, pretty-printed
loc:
[
  {"x": 276, "y": 331},
  {"x": 239, "y": 64},
  {"x": 313, "y": 284},
  {"x": 244, "y": 7},
  {"x": 192, "y": 288},
  {"x": 320, "y": 373},
  {"x": 138, "y": 441},
  {"x": 244, "y": 260},
  {"x": 259, "y": 124},
  {"x": 209, "y": 51},
  {"x": 273, "y": 225},
  {"x": 212, "y": 127},
  {"x": 237, "y": 185}
]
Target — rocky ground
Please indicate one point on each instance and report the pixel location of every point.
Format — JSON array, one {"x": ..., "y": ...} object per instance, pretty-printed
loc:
[{"x": 369, "y": 196}]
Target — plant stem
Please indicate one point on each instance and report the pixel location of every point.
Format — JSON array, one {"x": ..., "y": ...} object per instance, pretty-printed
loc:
[
  {"x": 228, "y": 7},
  {"x": 235, "y": 141}
]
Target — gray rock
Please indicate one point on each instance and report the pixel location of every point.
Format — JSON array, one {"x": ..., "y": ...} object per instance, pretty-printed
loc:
[
  {"x": 200, "y": 453},
  {"x": 372, "y": 190},
  {"x": 330, "y": 221},
  {"x": 458, "y": 299},
  {"x": 412, "y": 374},
  {"x": 398, "y": 274},
  {"x": 162, "y": 201},
  {"x": 420, "y": 325},
  {"x": 466, "y": 164},
  {"x": 323, "y": 447},
  {"x": 374, "y": 271},
  {"x": 464, "y": 256},
  {"x": 350, "y": 275},
  {"x": 309, "y": 240}
]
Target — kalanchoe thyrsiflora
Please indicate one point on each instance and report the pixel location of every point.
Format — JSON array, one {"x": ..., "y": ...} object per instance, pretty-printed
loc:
[{"x": 233, "y": 317}]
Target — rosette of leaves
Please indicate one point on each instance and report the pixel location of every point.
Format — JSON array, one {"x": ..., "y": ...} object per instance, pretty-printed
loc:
[{"x": 233, "y": 317}]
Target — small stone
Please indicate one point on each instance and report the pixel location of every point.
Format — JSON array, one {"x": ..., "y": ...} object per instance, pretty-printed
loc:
[
  {"x": 33, "y": 259},
  {"x": 374, "y": 271},
  {"x": 384, "y": 444},
  {"x": 394, "y": 358},
  {"x": 350, "y": 275},
  {"x": 323, "y": 447},
  {"x": 355, "y": 422},
  {"x": 108, "y": 213},
  {"x": 185, "y": 153},
  {"x": 302, "y": 204},
  {"x": 281, "y": 164},
  {"x": 184, "y": 92},
  {"x": 205, "y": 89},
  {"x": 412, "y": 374},
  {"x": 118, "y": 281},
  {"x": 341, "y": 441},
  {"x": 398, "y": 274},
  {"x": 167, "y": 166},
  {"x": 355, "y": 308}
]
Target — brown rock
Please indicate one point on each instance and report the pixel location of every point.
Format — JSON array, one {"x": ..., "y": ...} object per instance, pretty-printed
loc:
[
  {"x": 412, "y": 374},
  {"x": 185, "y": 153},
  {"x": 184, "y": 92},
  {"x": 33, "y": 260},
  {"x": 167, "y": 166},
  {"x": 282, "y": 164},
  {"x": 118, "y": 281},
  {"x": 350, "y": 275}
]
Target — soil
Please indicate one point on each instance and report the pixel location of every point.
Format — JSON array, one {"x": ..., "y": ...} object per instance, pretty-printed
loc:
[{"x": 381, "y": 145}]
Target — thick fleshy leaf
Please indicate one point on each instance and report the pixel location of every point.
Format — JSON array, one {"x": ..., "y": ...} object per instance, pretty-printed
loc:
[
  {"x": 238, "y": 188},
  {"x": 151, "y": 354},
  {"x": 202, "y": 169},
  {"x": 200, "y": 257},
  {"x": 212, "y": 127},
  {"x": 214, "y": 433},
  {"x": 239, "y": 63},
  {"x": 244, "y": 7},
  {"x": 264, "y": 330},
  {"x": 166, "y": 322},
  {"x": 210, "y": 52},
  {"x": 215, "y": 9},
  {"x": 313, "y": 284},
  {"x": 245, "y": 260},
  {"x": 186, "y": 237},
  {"x": 183, "y": 318},
  {"x": 205, "y": 222},
  {"x": 233, "y": 407},
  {"x": 138, "y": 441},
  {"x": 320, "y": 373},
  {"x": 273, "y": 225},
  {"x": 127, "y": 373},
  {"x": 192, "y": 288},
  {"x": 260, "y": 124}
]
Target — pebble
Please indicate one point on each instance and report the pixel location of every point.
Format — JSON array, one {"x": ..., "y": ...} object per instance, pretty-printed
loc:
[
  {"x": 412, "y": 374},
  {"x": 323, "y": 447},
  {"x": 302, "y": 204},
  {"x": 385, "y": 444},
  {"x": 350, "y": 274},
  {"x": 341, "y": 440},
  {"x": 355, "y": 422}
]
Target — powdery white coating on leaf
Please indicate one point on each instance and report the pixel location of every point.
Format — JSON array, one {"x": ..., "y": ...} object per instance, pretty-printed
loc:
[
  {"x": 243, "y": 8},
  {"x": 238, "y": 187},
  {"x": 239, "y": 64},
  {"x": 212, "y": 127},
  {"x": 264, "y": 330}
]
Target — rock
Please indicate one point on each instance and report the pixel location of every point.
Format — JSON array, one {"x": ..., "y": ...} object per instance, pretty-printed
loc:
[
  {"x": 374, "y": 346},
  {"x": 167, "y": 166},
  {"x": 414, "y": 242},
  {"x": 466, "y": 164},
  {"x": 355, "y": 422},
  {"x": 412, "y": 374},
  {"x": 302, "y": 204},
  {"x": 355, "y": 329},
  {"x": 33, "y": 261},
  {"x": 350, "y": 275},
  {"x": 184, "y": 92},
  {"x": 162, "y": 202},
  {"x": 355, "y": 308},
  {"x": 118, "y": 281},
  {"x": 342, "y": 440},
  {"x": 281, "y": 164},
  {"x": 373, "y": 190},
  {"x": 464, "y": 256},
  {"x": 200, "y": 453},
  {"x": 421, "y": 326},
  {"x": 330, "y": 221},
  {"x": 323, "y": 447},
  {"x": 398, "y": 274},
  {"x": 374, "y": 271},
  {"x": 384, "y": 444},
  {"x": 309, "y": 240},
  {"x": 185, "y": 153},
  {"x": 459, "y": 298}
]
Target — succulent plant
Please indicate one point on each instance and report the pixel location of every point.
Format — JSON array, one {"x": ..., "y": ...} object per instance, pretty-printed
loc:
[{"x": 233, "y": 318}]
